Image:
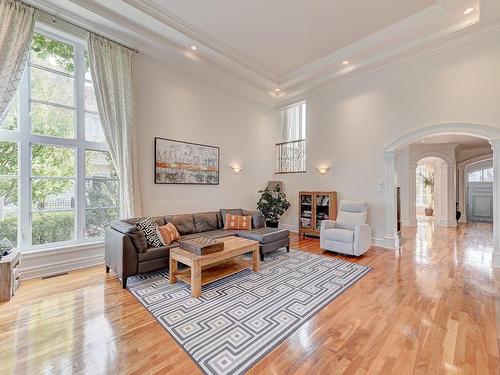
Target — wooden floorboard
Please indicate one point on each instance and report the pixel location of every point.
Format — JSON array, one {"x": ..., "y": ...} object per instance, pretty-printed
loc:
[{"x": 431, "y": 308}]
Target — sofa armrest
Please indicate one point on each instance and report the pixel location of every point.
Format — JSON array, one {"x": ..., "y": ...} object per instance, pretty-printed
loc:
[
  {"x": 120, "y": 254},
  {"x": 362, "y": 238},
  {"x": 328, "y": 224},
  {"x": 135, "y": 234}
]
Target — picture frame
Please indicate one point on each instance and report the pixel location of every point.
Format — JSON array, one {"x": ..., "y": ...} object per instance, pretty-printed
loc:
[{"x": 185, "y": 163}]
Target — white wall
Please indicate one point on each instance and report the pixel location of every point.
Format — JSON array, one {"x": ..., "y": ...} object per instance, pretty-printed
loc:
[
  {"x": 349, "y": 125},
  {"x": 173, "y": 104}
]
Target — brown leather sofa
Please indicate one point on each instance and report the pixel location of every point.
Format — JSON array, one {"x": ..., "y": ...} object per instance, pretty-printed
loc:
[{"x": 127, "y": 253}]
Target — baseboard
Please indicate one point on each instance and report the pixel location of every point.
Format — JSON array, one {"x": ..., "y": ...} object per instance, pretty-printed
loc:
[
  {"x": 448, "y": 223},
  {"x": 409, "y": 223},
  {"x": 53, "y": 261},
  {"x": 385, "y": 243},
  {"x": 290, "y": 227},
  {"x": 496, "y": 259}
]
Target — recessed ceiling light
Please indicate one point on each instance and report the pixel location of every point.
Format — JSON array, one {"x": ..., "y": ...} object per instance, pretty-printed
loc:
[
  {"x": 193, "y": 48},
  {"x": 422, "y": 141},
  {"x": 278, "y": 90},
  {"x": 468, "y": 10},
  {"x": 345, "y": 62}
]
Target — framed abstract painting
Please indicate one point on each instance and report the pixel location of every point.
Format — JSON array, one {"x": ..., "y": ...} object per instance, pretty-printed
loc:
[{"x": 178, "y": 162}]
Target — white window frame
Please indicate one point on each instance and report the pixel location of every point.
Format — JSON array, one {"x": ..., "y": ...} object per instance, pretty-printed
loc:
[
  {"x": 24, "y": 139},
  {"x": 288, "y": 145}
]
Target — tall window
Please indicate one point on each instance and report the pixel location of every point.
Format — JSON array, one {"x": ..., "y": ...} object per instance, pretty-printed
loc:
[
  {"x": 291, "y": 152},
  {"x": 423, "y": 192},
  {"x": 57, "y": 182}
]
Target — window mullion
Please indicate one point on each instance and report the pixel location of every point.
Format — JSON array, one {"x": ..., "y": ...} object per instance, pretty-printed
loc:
[
  {"x": 80, "y": 136},
  {"x": 24, "y": 236}
]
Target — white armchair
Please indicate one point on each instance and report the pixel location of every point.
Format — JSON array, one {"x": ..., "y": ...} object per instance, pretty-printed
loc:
[{"x": 349, "y": 234}]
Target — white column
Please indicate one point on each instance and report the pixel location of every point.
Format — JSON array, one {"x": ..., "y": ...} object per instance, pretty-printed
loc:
[
  {"x": 412, "y": 196},
  {"x": 451, "y": 197},
  {"x": 390, "y": 237},
  {"x": 461, "y": 193},
  {"x": 495, "y": 146}
]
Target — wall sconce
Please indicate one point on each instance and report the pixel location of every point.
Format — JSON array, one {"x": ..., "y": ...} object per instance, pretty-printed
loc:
[
  {"x": 323, "y": 170},
  {"x": 236, "y": 169}
]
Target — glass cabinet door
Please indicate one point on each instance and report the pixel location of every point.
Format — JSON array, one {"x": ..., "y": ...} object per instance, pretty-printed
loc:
[
  {"x": 306, "y": 210},
  {"x": 322, "y": 208}
]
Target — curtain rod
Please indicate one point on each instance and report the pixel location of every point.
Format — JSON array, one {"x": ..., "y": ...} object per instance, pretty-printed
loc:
[{"x": 54, "y": 18}]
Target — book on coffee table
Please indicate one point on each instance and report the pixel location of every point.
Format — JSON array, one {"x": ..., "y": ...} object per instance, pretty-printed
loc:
[{"x": 201, "y": 245}]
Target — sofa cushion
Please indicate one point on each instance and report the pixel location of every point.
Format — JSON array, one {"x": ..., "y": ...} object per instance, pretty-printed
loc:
[
  {"x": 159, "y": 220},
  {"x": 337, "y": 234},
  {"x": 220, "y": 222},
  {"x": 264, "y": 235},
  {"x": 219, "y": 233},
  {"x": 184, "y": 223},
  {"x": 157, "y": 252},
  {"x": 205, "y": 221},
  {"x": 133, "y": 232},
  {"x": 230, "y": 211},
  {"x": 258, "y": 220},
  {"x": 190, "y": 236}
]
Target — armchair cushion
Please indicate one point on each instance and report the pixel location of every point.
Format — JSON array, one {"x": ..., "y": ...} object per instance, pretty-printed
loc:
[
  {"x": 348, "y": 220},
  {"x": 337, "y": 234}
]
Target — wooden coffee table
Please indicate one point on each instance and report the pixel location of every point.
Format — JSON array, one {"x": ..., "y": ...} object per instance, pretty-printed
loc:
[{"x": 205, "y": 269}]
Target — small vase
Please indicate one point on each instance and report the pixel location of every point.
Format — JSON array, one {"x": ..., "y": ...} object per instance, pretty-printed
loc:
[{"x": 429, "y": 212}]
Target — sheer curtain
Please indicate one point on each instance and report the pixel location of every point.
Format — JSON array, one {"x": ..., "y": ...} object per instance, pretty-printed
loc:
[
  {"x": 111, "y": 69},
  {"x": 294, "y": 123},
  {"x": 16, "y": 32}
]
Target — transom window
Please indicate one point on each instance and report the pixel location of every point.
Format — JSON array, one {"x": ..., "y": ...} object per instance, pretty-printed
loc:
[
  {"x": 481, "y": 175},
  {"x": 57, "y": 181}
]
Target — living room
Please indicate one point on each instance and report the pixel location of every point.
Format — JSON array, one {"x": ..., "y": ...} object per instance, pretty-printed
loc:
[{"x": 138, "y": 137}]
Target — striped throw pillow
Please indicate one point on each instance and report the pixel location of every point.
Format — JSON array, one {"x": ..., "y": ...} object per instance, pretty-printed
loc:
[
  {"x": 169, "y": 233},
  {"x": 236, "y": 222}
]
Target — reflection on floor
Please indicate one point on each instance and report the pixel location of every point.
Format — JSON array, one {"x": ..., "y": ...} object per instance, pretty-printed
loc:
[{"x": 430, "y": 308}]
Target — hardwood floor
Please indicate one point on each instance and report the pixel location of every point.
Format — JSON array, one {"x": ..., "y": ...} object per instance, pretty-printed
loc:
[{"x": 431, "y": 308}]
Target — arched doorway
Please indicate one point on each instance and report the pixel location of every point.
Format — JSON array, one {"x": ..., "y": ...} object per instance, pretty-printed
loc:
[{"x": 482, "y": 131}]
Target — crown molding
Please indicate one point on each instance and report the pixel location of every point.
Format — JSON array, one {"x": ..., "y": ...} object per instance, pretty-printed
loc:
[
  {"x": 157, "y": 47},
  {"x": 373, "y": 40},
  {"x": 179, "y": 24},
  {"x": 331, "y": 81},
  {"x": 162, "y": 35}
]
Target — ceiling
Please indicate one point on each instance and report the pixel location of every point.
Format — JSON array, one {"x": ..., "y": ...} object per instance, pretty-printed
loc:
[
  {"x": 283, "y": 35},
  {"x": 456, "y": 139},
  {"x": 255, "y": 47}
]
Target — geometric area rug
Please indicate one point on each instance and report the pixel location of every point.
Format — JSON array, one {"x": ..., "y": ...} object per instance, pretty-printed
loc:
[{"x": 241, "y": 318}]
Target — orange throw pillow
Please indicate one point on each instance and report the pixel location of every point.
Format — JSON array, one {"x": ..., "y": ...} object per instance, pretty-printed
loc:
[
  {"x": 169, "y": 233},
  {"x": 235, "y": 222}
]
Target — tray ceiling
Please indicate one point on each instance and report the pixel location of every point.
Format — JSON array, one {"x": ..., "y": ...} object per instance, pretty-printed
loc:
[
  {"x": 297, "y": 46},
  {"x": 283, "y": 35}
]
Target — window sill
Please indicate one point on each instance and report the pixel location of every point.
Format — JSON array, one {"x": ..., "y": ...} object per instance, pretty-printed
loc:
[{"x": 62, "y": 248}]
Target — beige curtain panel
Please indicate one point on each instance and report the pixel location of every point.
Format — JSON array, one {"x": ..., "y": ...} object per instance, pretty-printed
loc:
[
  {"x": 16, "y": 32},
  {"x": 111, "y": 69}
]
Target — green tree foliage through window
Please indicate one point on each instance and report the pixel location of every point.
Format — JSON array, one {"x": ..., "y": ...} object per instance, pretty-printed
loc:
[{"x": 54, "y": 182}]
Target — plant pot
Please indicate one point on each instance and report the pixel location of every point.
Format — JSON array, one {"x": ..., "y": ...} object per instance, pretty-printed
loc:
[
  {"x": 429, "y": 212},
  {"x": 271, "y": 224}
]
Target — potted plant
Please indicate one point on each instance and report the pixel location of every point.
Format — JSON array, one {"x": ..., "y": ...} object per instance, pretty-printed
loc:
[
  {"x": 272, "y": 204},
  {"x": 428, "y": 182}
]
